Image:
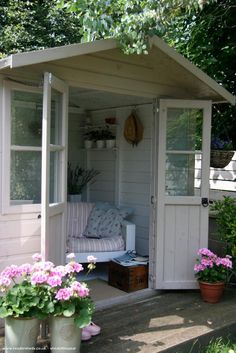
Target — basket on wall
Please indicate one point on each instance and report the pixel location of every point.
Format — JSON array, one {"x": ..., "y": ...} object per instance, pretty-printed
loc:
[{"x": 220, "y": 158}]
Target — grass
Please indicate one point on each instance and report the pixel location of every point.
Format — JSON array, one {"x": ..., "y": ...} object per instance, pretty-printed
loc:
[{"x": 219, "y": 345}]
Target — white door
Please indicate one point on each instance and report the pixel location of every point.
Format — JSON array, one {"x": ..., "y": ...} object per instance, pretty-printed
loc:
[
  {"x": 182, "y": 190},
  {"x": 54, "y": 169}
]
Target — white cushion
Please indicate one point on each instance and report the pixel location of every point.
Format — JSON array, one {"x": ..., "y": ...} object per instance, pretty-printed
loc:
[
  {"x": 77, "y": 217},
  {"x": 96, "y": 245}
]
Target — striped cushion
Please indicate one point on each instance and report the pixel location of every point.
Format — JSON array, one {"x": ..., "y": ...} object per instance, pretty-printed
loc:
[
  {"x": 77, "y": 216},
  {"x": 96, "y": 245}
]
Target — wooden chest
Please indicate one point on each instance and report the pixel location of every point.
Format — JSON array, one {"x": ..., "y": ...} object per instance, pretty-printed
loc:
[{"x": 128, "y": 278}]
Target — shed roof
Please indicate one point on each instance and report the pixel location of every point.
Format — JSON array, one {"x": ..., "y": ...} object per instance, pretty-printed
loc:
[{"x": 165, "y": 72}]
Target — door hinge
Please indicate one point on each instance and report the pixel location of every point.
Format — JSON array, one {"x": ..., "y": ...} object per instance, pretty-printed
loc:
[{"x": 153, "y": 200}]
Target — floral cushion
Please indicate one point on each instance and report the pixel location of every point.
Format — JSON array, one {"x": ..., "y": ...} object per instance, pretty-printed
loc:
[
  {"x": 104, "y": 222},
  {"x": 110, "y": 223},
  {"x": 91, "y": 230}
]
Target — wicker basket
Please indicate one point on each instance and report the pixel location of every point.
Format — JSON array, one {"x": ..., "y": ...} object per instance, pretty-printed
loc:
[{"x": 220, "y": 158}]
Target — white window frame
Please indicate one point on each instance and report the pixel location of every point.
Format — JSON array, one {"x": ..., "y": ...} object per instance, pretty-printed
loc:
[{"x": 8, "y": 87}]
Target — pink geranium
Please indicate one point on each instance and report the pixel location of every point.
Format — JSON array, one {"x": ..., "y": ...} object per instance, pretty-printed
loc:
[
  {"x": 44, "y": 289},
  {"x": 211, "y": 268}
]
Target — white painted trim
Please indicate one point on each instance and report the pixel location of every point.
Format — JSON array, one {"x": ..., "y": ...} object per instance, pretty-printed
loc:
[
  {"x": 59, "y": 208},
  {"x": 57, "y": 53},
  {"x": 163, "y": 200},
  {"x": 45, "y": 165},
  {"x": 50, "y": 54},
  {"x": 172, "y": 53},
  {"x": 26, "y": 148}
]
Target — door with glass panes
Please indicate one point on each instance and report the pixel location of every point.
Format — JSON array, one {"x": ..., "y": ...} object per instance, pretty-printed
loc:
[
  {"x": 182, "y": 190},
  {"x": 54, "y": 169}
]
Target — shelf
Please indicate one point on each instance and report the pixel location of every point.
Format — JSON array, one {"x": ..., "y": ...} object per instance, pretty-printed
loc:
[
  {"x": 99, "y": 149},
  {"x": 101, "y": 126}
]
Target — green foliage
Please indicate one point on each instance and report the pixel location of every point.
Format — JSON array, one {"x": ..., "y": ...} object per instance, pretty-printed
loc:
[
  {"x": 220, "y": 345},
  {"x": 78, "y": 178},
  {"x": 208, "y": 39},
  {"x": 226, "y": 221},
  {"x": 129, "y": 21},
  {"x": 26, "y": 300},
  {"x": 35, "y": 24}
]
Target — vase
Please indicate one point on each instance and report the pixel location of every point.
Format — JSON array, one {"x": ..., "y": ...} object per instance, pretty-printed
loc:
[
  {"x": 21, "y": 334},
  {"x": 65, "y": 336},
  {"x": 211, "y": 292},
  {"x": 88, "y": 144},
  {"x": 100, "y": 143},
  {"x": 74, "y": 197},
  {"x": 110, "y": 143}
]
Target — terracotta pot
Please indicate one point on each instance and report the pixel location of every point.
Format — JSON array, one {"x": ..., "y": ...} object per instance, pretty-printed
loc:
[{"x": 211, "y": 292}]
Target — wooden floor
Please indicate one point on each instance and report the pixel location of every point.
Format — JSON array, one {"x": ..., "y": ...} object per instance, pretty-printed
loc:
[
  {"x": 173, "y": 322},
  {"x": 169, "y": 322}
]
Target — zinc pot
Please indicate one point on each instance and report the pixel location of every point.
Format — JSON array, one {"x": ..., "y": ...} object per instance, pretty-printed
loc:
[
  {"x": 211, "y": 292},
  {"x": 65, "y": 336},
  {"x": 21, "y": 334}
]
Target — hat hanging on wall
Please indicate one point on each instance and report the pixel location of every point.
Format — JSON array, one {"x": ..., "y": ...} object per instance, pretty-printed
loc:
[{"x": 133, "y": 129}]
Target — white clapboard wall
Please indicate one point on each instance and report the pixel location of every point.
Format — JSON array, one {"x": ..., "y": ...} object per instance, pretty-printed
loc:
[
  {"x": 125, "y": 171},
  {"x": 222, "y": 181}
]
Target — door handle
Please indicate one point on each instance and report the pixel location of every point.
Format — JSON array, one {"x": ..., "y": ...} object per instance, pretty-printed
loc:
[{"x": 205, "y": 202}]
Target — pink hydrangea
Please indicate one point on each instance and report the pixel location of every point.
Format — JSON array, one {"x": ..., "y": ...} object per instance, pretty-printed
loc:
[
  {"x": 43, "y": 266},
  {"x": 226, "y": 262},
  {"x": 25, "y": 269},
  {"x": 54, "y": 280},
  {"x": 5, "y": 282},
  {"x": 11, "y": 271},
  {"x": 206, "y": 252},
  {"x": 37, "y": 257},
  {"x": 81, "y": 289},
  {"x": 64, "y": 294},
  {"x": 92, "y": 259},
  {"x": 59, "y": 270},
  {"x": 39, "y": 277},
  {"x": 71, "y": 256}
]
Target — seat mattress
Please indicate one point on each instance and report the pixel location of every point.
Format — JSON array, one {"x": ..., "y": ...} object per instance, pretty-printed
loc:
[{"x": 84, "y": 245}]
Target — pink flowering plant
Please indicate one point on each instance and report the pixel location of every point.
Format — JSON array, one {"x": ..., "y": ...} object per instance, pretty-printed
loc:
[
  {"x": 211, "y": 268},
  {"x": 42, "y": 289}
]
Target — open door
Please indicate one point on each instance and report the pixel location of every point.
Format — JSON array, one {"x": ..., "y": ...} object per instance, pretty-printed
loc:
[
  {"x": 182, "y": 190},
  {"x": 54, "y": 169}
]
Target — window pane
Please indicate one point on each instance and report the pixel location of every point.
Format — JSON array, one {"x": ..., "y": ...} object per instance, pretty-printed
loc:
[
  {"x": 26, "y": 118},
  {"x": 183, "y": 175},
  {"x": 56, "y": 118},
  {"x": 184, "y": 129},
  {"x": 25, "y": 177},
  {"x": 55, "y": 178}
]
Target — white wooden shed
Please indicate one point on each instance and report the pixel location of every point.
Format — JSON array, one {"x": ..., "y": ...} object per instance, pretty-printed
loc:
[{"x": 61, "y": 86}]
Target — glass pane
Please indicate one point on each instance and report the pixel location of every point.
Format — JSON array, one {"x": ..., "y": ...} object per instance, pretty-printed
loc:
[
  {"x": 56, "y": 118},
  {"x": 25, "y": 177},
  {"x": 55, "y": 178},
  {"x": 26, "y": 118},
  {"x": 183, "y": 175},
  {"x": 184, "y": 129}
]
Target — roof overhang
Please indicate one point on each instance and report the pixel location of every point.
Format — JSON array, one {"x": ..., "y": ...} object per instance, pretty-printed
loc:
[{"x": 183, "y": 66}]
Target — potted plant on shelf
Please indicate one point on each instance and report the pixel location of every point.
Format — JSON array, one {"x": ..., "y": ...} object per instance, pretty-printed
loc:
[
  {"x": 221, "y": 152},
  {"x": 77, "y": 179},
  {"x": 89, "y": 138},
  {"x": 104, "y": 137},
  {"x": 212, "y": 273}
]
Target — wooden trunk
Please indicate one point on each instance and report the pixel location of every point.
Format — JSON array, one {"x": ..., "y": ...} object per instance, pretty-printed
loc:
[{"x": 128, "y": 278}]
